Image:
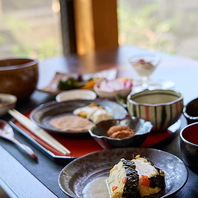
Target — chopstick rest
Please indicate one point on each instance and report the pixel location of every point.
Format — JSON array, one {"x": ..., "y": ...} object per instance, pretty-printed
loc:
[{"x": 43, "y": 135}]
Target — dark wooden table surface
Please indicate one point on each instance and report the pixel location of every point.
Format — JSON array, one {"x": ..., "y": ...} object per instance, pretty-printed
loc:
[{"x": 24, "y": 178}]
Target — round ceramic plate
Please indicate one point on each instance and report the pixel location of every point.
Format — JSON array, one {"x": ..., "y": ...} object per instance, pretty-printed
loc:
[
  {"x": 43, "y": 114},
  {"x": 80, "y": 176}
]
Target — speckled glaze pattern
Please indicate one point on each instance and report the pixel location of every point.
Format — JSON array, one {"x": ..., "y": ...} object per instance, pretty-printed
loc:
[
  {"x": 73, "y": 178},
  {"x": 141, "y": 127},
  {"x": 161, "y": 114},
  {"x": 43, "y": 114},
  {"x": 19, "y": 77}
]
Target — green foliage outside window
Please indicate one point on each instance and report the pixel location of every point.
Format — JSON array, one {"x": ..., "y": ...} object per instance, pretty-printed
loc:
[
  {"x": 22, "y": 43},
  {"x": 143, "y": 28}
]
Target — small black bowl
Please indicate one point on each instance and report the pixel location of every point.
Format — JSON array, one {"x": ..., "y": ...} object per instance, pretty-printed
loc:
[
  {"x": 142, "y": 129},
  {"x": 190, "y": 111}
]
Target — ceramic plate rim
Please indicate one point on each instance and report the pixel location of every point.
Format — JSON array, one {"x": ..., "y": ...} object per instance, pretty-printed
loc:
[
  {"x": 55, "y": 103},
  {"x": 62, "y": 176}
]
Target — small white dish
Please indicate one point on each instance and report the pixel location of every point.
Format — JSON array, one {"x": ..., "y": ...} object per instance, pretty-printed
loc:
[
  {"x": 113, "y": 94},
  {"x": 111, "y": 88},
  {"x": 7, "y": 101},
  {"x": 77, "y": 94}
]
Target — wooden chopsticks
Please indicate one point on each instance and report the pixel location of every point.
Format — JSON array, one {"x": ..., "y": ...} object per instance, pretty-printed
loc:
[{"x": 43, "y": 135}]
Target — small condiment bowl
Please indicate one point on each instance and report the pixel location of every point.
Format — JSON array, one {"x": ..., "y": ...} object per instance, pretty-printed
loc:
[
  {"x": 190, "y": 111},
  {"x": 76, "y": 94},
  {"x": 189, "y": 144},
  {"x": 105, "y": 88},
  {"x": 141, "y": 127},
  {"x": 7, "y": 101},
  {"x": 161, "y": 107}
]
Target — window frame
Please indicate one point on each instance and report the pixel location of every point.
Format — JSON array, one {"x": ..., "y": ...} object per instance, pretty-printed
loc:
[{"x": 88, "y": 25}]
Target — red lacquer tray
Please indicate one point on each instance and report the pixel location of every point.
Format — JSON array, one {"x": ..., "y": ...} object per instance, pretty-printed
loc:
[{"x": 83, "y": 146}]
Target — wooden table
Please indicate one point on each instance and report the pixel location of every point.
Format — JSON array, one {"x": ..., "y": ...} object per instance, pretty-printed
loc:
[{"x": 23, "y": 178}]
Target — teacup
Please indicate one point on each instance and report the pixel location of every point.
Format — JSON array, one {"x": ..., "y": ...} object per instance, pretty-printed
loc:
[
  {"x": 161, "y": 107},
  {"x": 189, "y": 144}
]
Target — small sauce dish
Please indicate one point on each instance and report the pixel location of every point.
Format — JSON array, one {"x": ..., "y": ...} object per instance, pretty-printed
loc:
[
  {"x": 77, "y": 94},
  {"x": 105, "y": 88}
]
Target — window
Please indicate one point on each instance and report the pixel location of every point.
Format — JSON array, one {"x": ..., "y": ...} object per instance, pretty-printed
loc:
[
  {"x": 162, "y": 25},
  {"x": 47, "y": 28},
  {"x": 41, "y": 29},
  {"x": 30, "y": 28}
]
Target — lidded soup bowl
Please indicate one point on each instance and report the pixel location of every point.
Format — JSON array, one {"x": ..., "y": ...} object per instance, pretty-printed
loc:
[{"x": 161, "y": 107}]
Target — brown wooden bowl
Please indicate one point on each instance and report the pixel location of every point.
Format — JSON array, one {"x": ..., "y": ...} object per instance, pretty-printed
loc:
[{"x": 19, "y": 76}]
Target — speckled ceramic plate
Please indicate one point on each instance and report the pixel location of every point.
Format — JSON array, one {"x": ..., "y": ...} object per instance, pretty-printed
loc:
[
  {"x": 43, "y": 114},
  {"x": 81, "y": 175}
]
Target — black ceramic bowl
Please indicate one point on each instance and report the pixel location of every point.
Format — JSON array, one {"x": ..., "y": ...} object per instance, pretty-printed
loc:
[
  {"x": 43, "y": 114},
  {"x": 190, "y": 111},
  {"x": 189, "y": 144},
  {"x": 142, "y": 129}
]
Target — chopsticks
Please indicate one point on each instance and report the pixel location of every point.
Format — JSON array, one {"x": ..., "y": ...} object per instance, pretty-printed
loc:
[{"x": 43, "y": 135}]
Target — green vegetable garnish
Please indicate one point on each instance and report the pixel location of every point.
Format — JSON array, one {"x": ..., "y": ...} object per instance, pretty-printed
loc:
[{"x": 71, "y": 83}]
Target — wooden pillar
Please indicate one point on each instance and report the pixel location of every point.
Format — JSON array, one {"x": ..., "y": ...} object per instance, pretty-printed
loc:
[
  {"x": 68, "y": 26},
  {"x": 96, "y": 25}
]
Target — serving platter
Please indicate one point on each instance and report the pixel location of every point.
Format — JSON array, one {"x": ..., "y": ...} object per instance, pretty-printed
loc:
[
  {"x": 79, "y": 178},
  {"x": 85, "y": 145}
]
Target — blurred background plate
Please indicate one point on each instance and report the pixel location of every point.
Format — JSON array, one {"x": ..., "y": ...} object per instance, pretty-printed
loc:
[{"x": 51, "y": 87}]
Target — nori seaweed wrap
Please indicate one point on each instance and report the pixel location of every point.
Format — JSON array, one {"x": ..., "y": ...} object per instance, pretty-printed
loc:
[{"x": 135, "y": 178}]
